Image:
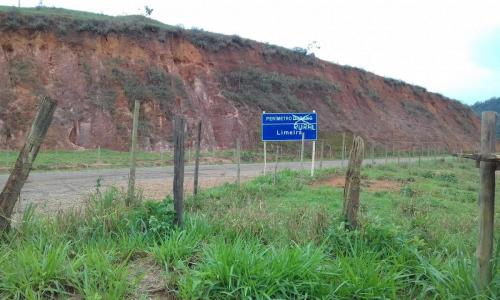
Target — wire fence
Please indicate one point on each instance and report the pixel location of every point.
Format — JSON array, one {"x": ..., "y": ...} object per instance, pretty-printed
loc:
[
  {"x": 62, "y": 190},
  {"x": 336, "y": 147}
]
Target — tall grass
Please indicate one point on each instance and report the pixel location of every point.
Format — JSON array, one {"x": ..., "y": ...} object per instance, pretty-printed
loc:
[{"x": 261, "y": 240}]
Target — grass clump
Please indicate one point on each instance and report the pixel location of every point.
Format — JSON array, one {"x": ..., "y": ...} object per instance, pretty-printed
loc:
[
  {"x": 37, "y": 269},
  {"x": 246, "y": 269}
]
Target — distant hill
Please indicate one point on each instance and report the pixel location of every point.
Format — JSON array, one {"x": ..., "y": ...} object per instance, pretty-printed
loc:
[{"x": 492, "y": 104}]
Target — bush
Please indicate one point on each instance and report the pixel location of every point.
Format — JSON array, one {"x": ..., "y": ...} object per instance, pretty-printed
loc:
[{"x": 415, "y": 108}]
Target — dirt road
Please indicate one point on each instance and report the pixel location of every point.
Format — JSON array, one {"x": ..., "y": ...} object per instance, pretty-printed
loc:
[{"x": 60, "y": 190}]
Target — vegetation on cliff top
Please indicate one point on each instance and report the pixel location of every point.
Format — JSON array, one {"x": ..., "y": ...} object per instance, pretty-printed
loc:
[{"x": 64, "y": 21}]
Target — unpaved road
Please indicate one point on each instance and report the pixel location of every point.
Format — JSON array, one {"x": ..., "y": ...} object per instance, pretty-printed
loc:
[{"x": 60, "y": 190}]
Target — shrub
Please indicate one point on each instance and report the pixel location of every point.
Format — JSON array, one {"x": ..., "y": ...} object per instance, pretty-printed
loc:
[
  {"x": 415, "y": 108},
  {"x": 293, "y": 56},
  {"x": 164, "y": 87}
]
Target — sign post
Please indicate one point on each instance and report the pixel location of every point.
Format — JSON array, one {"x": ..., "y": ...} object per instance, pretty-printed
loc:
[
  {"x": 265, "y": 152},
  {"x": 302, "y": 153},
  {"x": 313, "y": 155},
  {"x": 284, "y": 127}
]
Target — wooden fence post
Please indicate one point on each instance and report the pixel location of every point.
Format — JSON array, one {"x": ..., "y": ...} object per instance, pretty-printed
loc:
[
  {"x": 178, "y": 184},
  {"x": 343, "y": 150},
  {"x": 197, "y": 159},
  {"x": 385, "y": 154},
  {"x": 486, "y": 200},
  {"x": 238, "y": 161},
  {"x": 25, "y": 160},
  {"x": 352, "y": 183},
  {"x": 373, "y": 153},
  {"x": 419, "y": 155},
  {"x": 133, "y": 158},
  {"x": 399, "y": 154}
]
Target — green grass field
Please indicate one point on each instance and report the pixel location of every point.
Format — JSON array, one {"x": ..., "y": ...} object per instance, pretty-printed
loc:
[
  {"x": 65, "y": 159},
  {"x": 95, "y": 159},
  {"x": 270, "y": 238}
]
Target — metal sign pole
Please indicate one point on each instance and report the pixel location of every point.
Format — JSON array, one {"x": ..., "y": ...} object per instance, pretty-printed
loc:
[
  {"x": 313, "y": 155},
  {"x": 265, "y": 158},
  {"x": 302, "y": 152}
]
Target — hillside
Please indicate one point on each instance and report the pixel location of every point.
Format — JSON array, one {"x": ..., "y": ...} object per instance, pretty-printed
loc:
[
  {"x": 97, "y": 65},
  {"x": 492, "y": 104}
]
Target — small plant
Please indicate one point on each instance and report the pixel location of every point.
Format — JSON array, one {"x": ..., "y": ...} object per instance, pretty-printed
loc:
[
  {"x": 407, "y": 191},
  {"x": 447, "y": 177},
  {"x": 428, "y": 174},
  {"x": 148, "y": 11}
]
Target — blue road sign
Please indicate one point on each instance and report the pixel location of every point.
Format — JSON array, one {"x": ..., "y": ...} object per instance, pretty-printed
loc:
[{"x": 280, "y": 127}]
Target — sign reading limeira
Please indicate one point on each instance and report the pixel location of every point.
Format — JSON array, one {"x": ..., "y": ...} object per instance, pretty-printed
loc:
[{"x": 279, "y": 127}]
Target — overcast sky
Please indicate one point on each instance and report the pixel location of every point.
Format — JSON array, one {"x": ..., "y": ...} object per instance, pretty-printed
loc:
[{"x": 447, "y": 46}]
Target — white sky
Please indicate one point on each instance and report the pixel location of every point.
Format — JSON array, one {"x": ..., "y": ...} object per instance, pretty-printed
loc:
[{"x": 447, "y": 46}]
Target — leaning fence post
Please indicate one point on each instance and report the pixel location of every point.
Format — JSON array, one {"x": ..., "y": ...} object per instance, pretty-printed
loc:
[
  {"x": 178, "y": 184},
  {"x": 197, "y": 159},
  {"x": 25, "y": 160},
  {"x": 133, "y": 153},
  {"x": 486, "y": 200}
]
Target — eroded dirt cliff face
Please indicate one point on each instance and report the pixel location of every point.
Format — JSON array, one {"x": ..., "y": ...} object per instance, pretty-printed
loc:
[{"x": 96, "y": 78}]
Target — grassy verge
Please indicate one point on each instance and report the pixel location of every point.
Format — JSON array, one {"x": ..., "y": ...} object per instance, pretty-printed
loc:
[
  {"x": 94, "y": 159},
  {"x": 278, "y": 238},
  {"x": 60, "y": 160}
]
